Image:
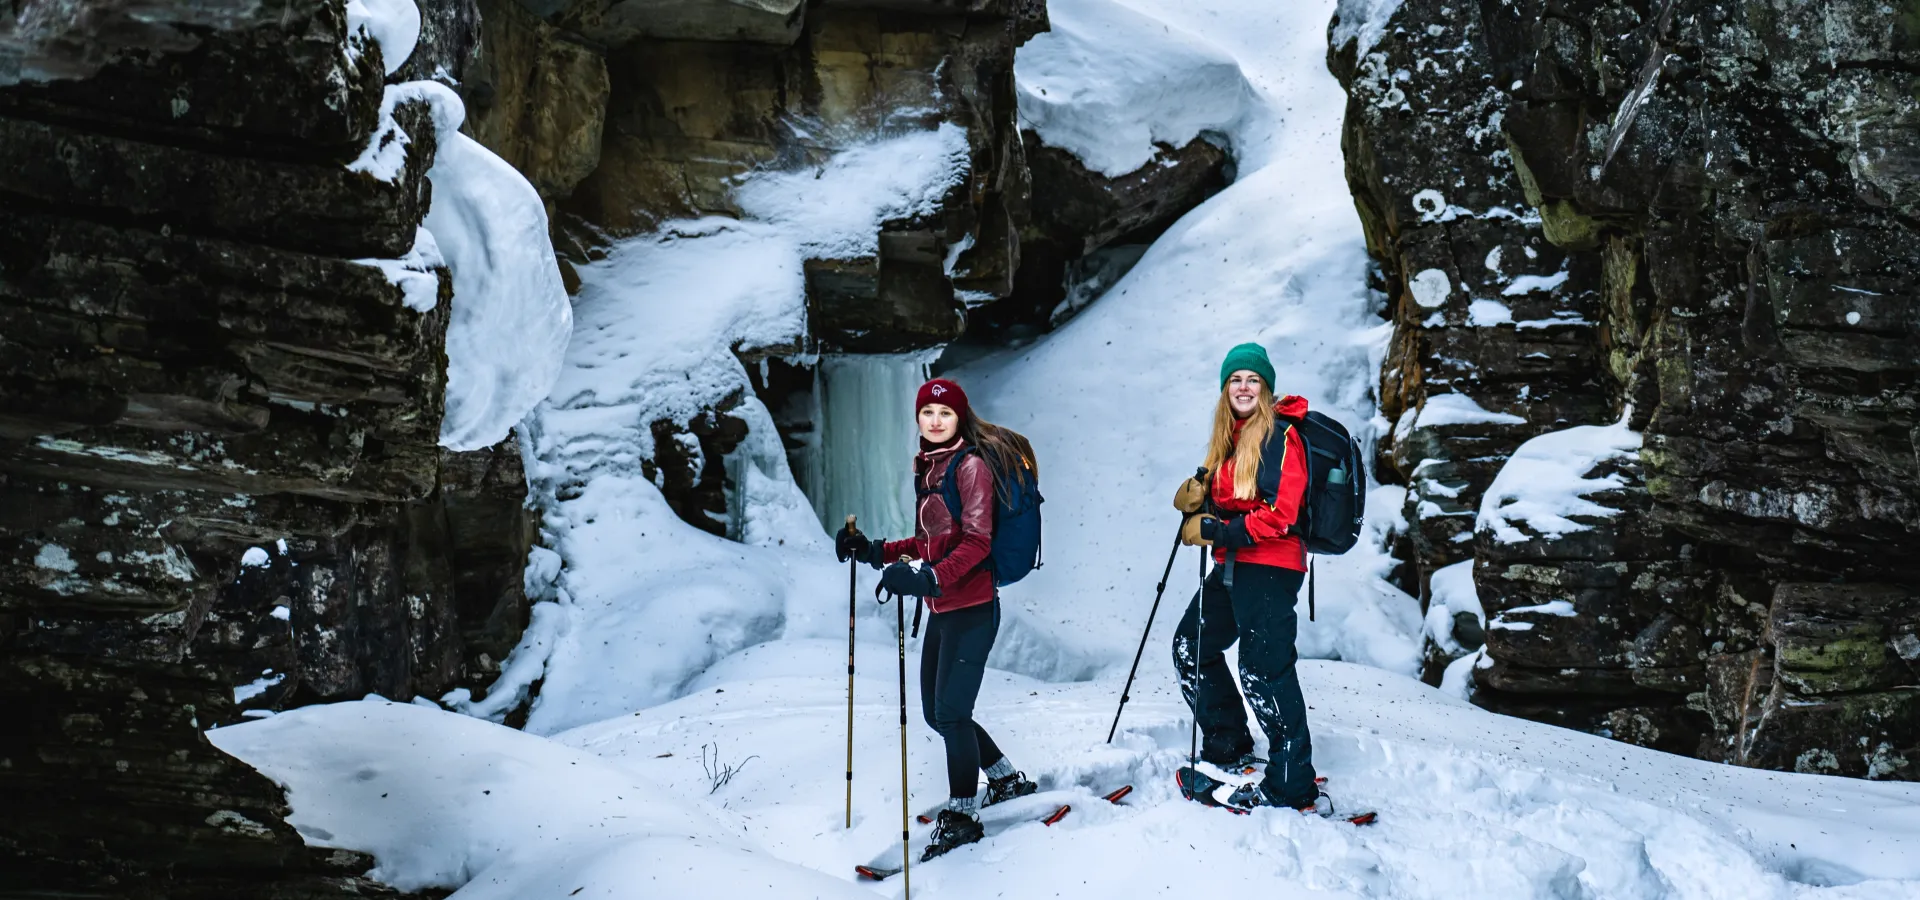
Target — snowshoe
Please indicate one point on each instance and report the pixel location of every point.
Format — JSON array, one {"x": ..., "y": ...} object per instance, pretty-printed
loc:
[
  {"x": 1251, "y": 794},
  {"x": 1002, "y": 789},
  {"x": 1199, "y": 787},
  {"x": 951, "y": 830},
  {"x": 889, "y": 861}
]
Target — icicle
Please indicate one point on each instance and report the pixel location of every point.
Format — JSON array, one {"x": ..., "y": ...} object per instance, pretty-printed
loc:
[{"x": 862, "y": 461}]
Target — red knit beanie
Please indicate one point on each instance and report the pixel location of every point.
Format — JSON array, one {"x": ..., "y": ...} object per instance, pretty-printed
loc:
[{"x": 943, "y": 392}]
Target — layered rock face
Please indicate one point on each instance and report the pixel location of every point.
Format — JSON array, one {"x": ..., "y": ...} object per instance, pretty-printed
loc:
[
  {"x": 1699, "y": 217},
  {"x": 195, "y": 372}
]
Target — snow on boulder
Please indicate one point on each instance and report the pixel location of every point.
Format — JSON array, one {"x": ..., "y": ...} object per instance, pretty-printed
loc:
[
  {"x": 443, "y": 800},
  {"x": 836, "y": 210},
  {"x": 1441, "y": 410},
  {"x": 392, "y": 24},
  {"x": 1430, "y": 288},
  {"x": 1547, "y": 481},
  {"x": 511, "y": 316},
  {"x": 1364, "y": 21},
  {"x": 1108, "y": 83},
  {"x": 416, "y": 274},
  {"x": 1453, "y": 592}
]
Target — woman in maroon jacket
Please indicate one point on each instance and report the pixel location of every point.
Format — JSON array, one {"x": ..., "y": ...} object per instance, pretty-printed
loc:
[
  {"x": 957, "y": 584},
  {"x": 1249, "y": 597}
]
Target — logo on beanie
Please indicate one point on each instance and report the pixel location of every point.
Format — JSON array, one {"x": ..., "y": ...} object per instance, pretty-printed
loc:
[{"x": 938, "y": 390}]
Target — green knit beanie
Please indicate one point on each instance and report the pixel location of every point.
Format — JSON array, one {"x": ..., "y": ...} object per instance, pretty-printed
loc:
[{"x": 1251, "y": 357}]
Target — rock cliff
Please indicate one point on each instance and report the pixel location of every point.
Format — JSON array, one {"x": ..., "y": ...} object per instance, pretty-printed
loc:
[
  {"x": 220, "y": 481},
  {"x": 1699, "y": 219}
]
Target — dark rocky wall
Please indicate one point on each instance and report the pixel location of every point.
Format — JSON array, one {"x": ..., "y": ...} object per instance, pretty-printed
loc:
[
  {"x": 1729, "y": 188},
  {"x": 1074, "y": 214},
  {"x": 190, "y": 366}
]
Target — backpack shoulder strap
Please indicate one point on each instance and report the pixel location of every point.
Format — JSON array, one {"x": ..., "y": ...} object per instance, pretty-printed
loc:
[
  {"x": 1273, "y": 460},
  {"x": 950, "y": 485}
]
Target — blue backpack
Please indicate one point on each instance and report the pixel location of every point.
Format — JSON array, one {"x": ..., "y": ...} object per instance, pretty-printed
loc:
[{"x": 1016, "y": 518}]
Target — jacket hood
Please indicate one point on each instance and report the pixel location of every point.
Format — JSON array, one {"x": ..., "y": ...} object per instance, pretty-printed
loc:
[{"x": 1292, "y": 406}]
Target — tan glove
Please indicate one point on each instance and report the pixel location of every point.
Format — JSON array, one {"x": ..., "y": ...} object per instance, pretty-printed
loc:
[
  {"x": 1190, "y": 532},
  {"x": 1191, "y": 496}
]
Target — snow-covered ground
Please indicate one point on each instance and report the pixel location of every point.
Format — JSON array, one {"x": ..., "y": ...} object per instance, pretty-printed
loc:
[
  {"x": 667, "y": 653},
  {"x": 1471, "y": 803}
]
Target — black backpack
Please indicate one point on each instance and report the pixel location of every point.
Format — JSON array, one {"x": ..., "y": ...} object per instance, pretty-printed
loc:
[
  {"x": 1334, "y": 507},
  {"x": 1335, "y": 503}
]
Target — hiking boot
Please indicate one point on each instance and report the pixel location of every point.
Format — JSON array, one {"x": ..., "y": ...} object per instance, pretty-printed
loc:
[
  {"x": 1251, "y": 794},
  {"x": 1233, "y": 761},
  {"x": 950, "y": 830},
  {"x": 1015, "y": 785}
]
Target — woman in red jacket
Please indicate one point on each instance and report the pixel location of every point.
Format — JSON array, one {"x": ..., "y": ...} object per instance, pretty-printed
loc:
[
  {"x": 958, "y": 587},
  {"x": 1252, "y": 500}
]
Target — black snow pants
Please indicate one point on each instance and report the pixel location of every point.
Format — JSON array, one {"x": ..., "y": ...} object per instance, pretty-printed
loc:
[
  {"x": 1260, "y": 616},
  {"x": 953, "y": 659}
]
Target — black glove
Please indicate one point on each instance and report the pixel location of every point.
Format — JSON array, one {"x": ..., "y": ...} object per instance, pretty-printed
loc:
[
  {"x": 851, "y": 544},
  {"x": 1225, "y": 535},
  {"x": 906, "y": 581}
]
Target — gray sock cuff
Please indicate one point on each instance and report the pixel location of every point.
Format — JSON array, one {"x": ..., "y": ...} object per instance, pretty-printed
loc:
[
  {"x": 1000, "y": 769},
  {"x": 969, "y": 806}
]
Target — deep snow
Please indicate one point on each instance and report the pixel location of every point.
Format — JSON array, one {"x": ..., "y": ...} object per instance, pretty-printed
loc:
[
  {"x": 1471, "y": 803},
  {"x": 665, "y": 650}
]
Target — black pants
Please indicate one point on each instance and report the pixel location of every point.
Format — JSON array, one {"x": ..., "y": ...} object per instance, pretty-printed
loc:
[
  {"x": 953, "y": 659},
  {"x": 1260, "y": 616}
]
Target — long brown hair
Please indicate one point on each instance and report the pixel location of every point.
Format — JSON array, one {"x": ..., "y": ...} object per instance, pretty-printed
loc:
[
  {"x": 1245, "y": 451},
  {"x": 1004, "y": 449}
]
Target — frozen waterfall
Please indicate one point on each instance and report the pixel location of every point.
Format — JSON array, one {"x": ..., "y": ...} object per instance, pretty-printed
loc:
[{"x": 862, "y": 459}]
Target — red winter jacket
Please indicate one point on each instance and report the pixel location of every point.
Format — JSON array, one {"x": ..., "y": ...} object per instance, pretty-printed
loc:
[
  {"x": 1270, "y": 524},
  {"x": 958, "y": 552}
]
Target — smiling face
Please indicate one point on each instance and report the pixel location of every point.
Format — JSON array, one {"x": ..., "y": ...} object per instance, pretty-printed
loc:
[
  {"x": 938, "y": 423},
  {"x": 1243, "y": 393}
]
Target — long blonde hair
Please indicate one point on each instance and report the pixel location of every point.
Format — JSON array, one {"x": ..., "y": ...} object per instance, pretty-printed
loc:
[{"x": 1246, "y": 452}]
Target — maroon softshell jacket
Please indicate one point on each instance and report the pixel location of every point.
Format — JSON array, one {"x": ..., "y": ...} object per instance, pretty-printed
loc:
[{"x": 956, "y": 549}]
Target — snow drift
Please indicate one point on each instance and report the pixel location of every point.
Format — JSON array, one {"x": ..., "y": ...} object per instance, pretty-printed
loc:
[
  {"x": 1107, "y": 83},
  {"x": 446, "y": 801},
  {"x": 511, "y": 319}
]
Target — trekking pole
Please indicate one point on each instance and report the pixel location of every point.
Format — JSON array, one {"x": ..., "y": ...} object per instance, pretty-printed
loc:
[
  {"x": 906, "y": 842},
  {"x": 1158, "y": 591},
  {"x": 853, "y": 577},
  {"x": 1199, "y": 625}
]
